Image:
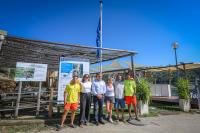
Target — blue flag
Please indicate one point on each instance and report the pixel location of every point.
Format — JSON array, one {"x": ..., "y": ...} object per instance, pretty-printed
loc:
[{"x": 98, "y": 39}]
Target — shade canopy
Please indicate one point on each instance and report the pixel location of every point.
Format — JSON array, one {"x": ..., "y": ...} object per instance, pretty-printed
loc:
[
  {"x": 15, "y": 49},
  {"x": 181, "y": 66}
]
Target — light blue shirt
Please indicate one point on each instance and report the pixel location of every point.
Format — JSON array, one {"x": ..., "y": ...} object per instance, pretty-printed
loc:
[{"x": 98, "y": 87}]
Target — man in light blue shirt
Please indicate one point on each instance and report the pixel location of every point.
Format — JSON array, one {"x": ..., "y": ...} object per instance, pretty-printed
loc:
[{"x": 98, "y": 91}]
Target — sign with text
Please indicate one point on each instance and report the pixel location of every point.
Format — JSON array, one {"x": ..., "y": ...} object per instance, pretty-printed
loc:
[
  {"x": 67, "y": 67},
  {"x": 30, "y": 72}
]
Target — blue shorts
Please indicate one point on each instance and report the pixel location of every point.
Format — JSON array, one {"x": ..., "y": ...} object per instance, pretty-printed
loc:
[{"x": 119, "y": 103}]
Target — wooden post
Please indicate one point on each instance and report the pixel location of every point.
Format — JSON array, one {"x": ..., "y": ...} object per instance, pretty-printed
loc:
[
  {"x": 132, "y": 66},
  {"x": 50, "y": 83},
  {"x": 50, "y": 113},
  {"x": 18, "y": 99},
  {"x": 38, "y": 99}
]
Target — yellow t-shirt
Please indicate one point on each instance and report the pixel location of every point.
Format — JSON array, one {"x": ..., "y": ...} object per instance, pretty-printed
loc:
[
  {"x": 129, "y": 87},
  {"x": 72, "y": 91}
]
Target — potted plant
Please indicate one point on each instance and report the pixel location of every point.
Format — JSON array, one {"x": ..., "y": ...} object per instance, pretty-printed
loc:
[
  {"x": 143, "y": 95},
  {"x": 182, "y": 86}
]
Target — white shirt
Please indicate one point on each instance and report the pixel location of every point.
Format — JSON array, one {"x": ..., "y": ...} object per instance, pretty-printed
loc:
[
  {"x": 86, "y": 87},
  {"x": 98, "y": 87},
  {"x": 110, "y": 91},
  {"x": 119, "y": 89}
]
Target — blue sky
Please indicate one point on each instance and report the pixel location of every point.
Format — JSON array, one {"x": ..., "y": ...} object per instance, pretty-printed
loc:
[{"x": 146, "y": 26}]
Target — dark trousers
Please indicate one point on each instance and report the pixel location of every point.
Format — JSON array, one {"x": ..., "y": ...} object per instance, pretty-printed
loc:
[
  {"x": 85, "y": 99},
  {"x": 98, "y": 108}
]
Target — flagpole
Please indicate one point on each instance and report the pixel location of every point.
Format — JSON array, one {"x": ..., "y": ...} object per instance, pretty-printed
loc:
[{"x": 101, "y": 36}]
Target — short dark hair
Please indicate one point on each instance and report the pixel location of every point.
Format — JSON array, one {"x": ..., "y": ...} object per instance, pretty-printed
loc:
[{"x": 98, "y": 74}]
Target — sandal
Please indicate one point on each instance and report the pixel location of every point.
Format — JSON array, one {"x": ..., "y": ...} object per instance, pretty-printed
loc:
[{"x": 72, "y": 126}]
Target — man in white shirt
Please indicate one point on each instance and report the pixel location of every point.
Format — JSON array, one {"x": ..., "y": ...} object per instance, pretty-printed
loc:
[
  {"x": 98, "y": 91},
  {"x": 119, "y": 96}
]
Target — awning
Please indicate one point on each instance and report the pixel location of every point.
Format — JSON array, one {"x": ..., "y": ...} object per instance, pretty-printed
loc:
[
  {"x": 15, "y": 49},
  {"x": 181, "y": 66}
]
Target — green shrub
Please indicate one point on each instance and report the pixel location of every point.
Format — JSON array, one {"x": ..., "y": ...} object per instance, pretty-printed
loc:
[
  {"x": 182, "y": 87},
  {"x": 143, "y": 90}
]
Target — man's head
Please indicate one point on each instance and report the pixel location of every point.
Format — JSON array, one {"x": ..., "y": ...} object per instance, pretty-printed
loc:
[
  {"x": 128, "y": 76},
  {"x": 99, "y": 76},
  {"x": 118, "y": 77},
  {"x": 75, "y": 78}
]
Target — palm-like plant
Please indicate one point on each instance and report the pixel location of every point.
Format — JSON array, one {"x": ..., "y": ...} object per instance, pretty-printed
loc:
[
  {"x": 182, "y": 85},
  {"x": 143, "y": 90}
]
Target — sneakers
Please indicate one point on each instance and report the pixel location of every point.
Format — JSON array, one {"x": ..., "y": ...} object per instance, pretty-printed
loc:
[
  {"x": 137, "y": 119},
  {"x": 122, "y": 119},
  {"x": 59, "y": 127},
  {"x": 102, "y": 122},
  {"x": 129, "y": 119},
  {"x": 96, "y": 123},
  {"x": 110, "y": 120},
  {"x": 85, "y": 123}
]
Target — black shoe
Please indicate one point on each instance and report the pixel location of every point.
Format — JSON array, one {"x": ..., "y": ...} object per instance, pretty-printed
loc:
[
  {"x": 85, "y": 123},
  {"x": 123, "y": 120},
  {"x": 137, "y": 119},
  {"x": 96, "y": 123},
  {"x": 59, "y": 127},
  {"x": 102, "y": 122},
  {"x": 129, "y": 119}
]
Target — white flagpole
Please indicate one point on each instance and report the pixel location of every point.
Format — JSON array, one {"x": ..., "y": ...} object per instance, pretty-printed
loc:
[{"x": 101, "y": 36}]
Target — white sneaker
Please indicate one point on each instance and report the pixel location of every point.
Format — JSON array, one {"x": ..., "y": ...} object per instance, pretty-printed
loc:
[{"x": 110, "y": 120}]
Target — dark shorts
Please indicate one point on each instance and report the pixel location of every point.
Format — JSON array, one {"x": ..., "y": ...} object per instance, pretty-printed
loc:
[
  {"x": 110, "y": 99},
  {"x": 119, "y": 103}
]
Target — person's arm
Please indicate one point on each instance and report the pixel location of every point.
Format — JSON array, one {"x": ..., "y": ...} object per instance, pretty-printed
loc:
[
  {"x": 65, "y": 95},
  {"x": 124, "y": 87},
  {"x": 81, "y": 86},
  {"x": 94, "y": 89},
  {"x": 79, "y": 97},
  {"x": 79, "y": 91},
  {"x": 104, "y": 88}
]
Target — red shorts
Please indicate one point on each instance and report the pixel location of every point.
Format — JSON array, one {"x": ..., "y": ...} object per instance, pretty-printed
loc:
[
  {"x": 71, "y": 106},
  {"x": 130, "y": 100}
]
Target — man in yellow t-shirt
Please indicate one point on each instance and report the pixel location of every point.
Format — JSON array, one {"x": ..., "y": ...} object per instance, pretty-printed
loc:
[
  {"x": 130, "y": 95},
  {"x": 71, "y": 99}
]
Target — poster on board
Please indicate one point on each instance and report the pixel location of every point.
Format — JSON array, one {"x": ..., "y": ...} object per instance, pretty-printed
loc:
[
  {"x": 30, "y": 72},
  {"x": 67, "y": 67}
]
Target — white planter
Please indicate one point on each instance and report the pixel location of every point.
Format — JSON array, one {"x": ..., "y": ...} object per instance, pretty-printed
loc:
[
  {"x": 184, "y": 105},
  {"x": 143, "y": 108}
]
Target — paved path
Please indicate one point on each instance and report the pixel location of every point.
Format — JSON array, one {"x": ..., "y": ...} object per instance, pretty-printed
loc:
[{"x": 182, "y": 123}]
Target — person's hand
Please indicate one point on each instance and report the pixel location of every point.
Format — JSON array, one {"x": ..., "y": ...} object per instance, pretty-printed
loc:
[{"x": 99, "y": 96}]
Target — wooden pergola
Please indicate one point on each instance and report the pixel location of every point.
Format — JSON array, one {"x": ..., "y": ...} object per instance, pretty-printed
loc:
[
  {"x": 181, "y": 66},
  {"x": 15, "y": 49}
]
